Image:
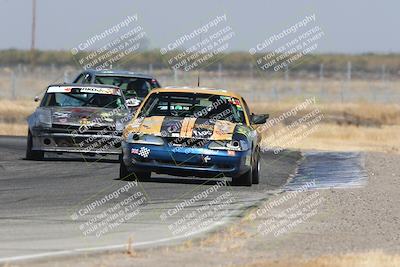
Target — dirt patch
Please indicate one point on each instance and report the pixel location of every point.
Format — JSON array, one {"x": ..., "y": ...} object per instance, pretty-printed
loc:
[{"x": 370, "y": 259}]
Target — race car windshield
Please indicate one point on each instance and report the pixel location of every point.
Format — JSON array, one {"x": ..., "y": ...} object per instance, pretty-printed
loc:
[
  {"x": 77, "y": 99},
  {"x": 194, "y": 105},
  {"x": 131, "y": 86}
]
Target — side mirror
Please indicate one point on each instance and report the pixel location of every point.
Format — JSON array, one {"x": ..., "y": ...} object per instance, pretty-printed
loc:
[
  {"x": 36, "y": 99},
  {"x": 259, "y": 119},
  {"x": 133, "y": 102}
]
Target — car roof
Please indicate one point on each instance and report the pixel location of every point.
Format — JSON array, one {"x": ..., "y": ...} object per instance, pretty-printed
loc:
[
  {"x": 198, "y": 90},
  {"x": 124, "y": 73}
]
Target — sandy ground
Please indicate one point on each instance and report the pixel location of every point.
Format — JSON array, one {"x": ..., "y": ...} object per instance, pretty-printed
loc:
[{"x": 363, "y": 224}]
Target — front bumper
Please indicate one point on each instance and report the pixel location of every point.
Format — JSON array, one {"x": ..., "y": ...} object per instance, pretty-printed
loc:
[
  {"x": 188, "y": 161},
  {"x": 76, "y": 143}
]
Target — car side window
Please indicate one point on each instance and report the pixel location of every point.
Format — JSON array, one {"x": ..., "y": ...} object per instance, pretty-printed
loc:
[
  {"x": 87, "y": 78},
  {"x": 80, "y": 78}
]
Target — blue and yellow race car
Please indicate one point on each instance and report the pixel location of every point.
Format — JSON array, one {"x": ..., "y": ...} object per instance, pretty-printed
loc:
[{"x": 193, "y": 132}]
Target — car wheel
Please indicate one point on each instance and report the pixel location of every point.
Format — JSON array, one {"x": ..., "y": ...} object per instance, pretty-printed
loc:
[
  {"x": 124, "y": 174},
  {"x": 32, "y": 154},
  {"x": 244, "y": 179},
  {"x": 256, "y": 170}
]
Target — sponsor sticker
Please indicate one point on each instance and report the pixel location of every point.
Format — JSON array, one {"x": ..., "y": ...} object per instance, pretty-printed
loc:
[
  {"x": 201, "y": 133},
  {"x": 84, "y": 121},
  {"x": 58, "y": 115},
  {"x": 89, "y": 90},
  {"x": 57, "y": 89},
  {"x": 143, "y": 151},
  {"x": 206, "y": 159},
  {"x": 104, "y": 91}
]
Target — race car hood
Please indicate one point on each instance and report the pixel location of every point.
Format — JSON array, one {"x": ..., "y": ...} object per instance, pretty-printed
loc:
[
  {"x": 180, "y": 127},
  {"x": 84, "y": 115}
]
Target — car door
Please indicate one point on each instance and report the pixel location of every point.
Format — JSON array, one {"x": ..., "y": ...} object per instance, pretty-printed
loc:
[{"x": 255, "y": 137}]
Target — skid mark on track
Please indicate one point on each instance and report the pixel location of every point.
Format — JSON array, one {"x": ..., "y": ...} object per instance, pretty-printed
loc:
[{"x": 330, "y": 170}]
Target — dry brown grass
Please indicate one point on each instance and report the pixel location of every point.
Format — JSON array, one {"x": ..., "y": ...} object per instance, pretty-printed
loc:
[
  {"x": 344, "y": 127},
  {"x": 228, "y": 235},
  {"x": 356, "y": 112},
  {"x": 370, "y": 259},
  {"x": 13, "y": 116},
  {"x": 15, "y": 129},
  {"x": 347, "y": 138},
  {"x": 16, "y": 111},
  {"x": 343, "y": 138},
  {"x": 222, "y": 241}
]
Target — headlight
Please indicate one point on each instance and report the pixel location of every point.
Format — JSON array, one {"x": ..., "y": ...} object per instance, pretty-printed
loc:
[
  {"x": 229, "y": 145},
  {"x": 145, "y": 139},
  {"x": 44, "y": 118}
]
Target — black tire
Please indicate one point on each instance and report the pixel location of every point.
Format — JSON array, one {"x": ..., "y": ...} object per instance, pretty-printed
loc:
[
  {"x": 124, "y": 174},
  {"x": 256, "y": 169},
  {"x": 32, "y": 154},
  {"x": 244, "y": 179},
  {"x": 123, "y": 171}
]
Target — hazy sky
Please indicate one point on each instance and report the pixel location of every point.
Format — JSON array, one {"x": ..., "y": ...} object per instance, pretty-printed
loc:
[{"x": 350, "y": 26}]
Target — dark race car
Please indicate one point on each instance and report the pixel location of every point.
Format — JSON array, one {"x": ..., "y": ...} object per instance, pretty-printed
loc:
[
  {"x": 192, "y": 132},
  {"x": 135, "y": 86},
  {"x": 77, "y": 118}
]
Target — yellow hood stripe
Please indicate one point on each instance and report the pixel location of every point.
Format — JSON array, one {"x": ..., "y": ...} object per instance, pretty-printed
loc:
[
  {"x": 152, "y": 125},
  {"x": 223, "y": 130},
  {"x": 187, "y": 127}
]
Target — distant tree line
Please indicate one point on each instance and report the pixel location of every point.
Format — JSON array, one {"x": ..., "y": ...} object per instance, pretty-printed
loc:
[{"x": 234, "y": 61}]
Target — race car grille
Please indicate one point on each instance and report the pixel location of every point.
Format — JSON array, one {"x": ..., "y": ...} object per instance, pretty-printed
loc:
[
  {"x": 86, "y": 143},
  {"x": 184, "y": 163},
  {"x": 94, "y": 130},
  {"x": 186, "y": 142},
  {"x": 222, "y": 167}
]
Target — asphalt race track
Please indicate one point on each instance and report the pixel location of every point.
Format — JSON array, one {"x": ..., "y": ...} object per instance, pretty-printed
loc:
[{"x": 44, "y": 204}]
